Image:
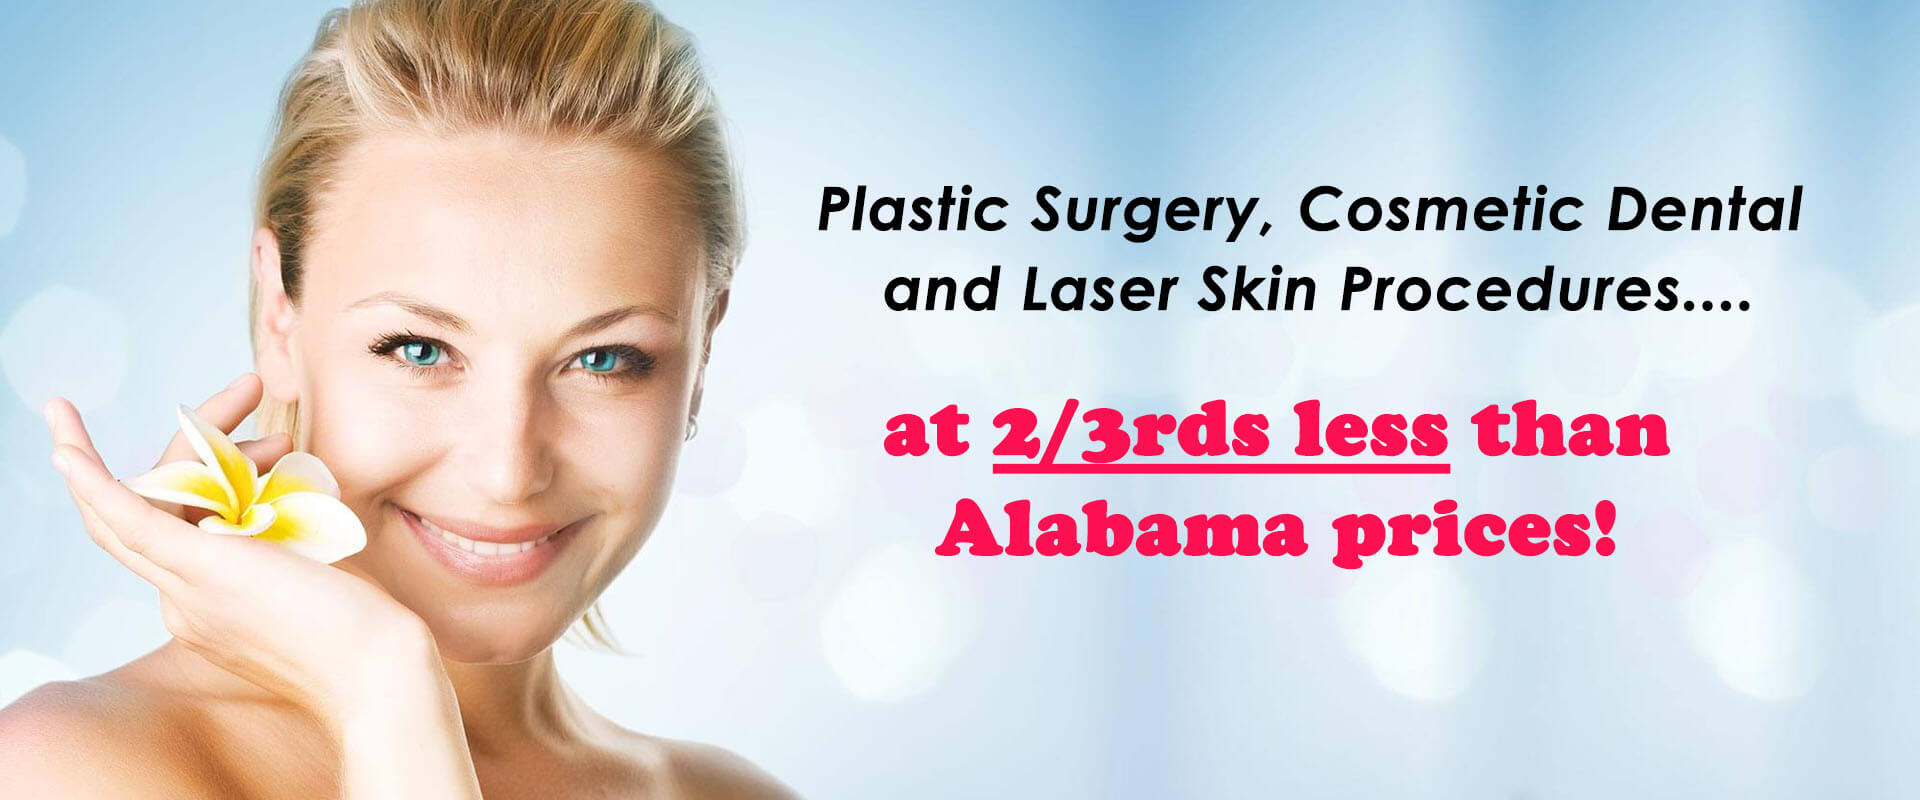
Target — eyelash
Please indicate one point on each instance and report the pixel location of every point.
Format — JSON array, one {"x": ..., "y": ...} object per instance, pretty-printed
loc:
[{"x": 634, "y": 362}]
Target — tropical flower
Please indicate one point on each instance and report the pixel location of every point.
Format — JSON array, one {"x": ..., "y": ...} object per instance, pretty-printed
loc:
[{"x": 295, "y": 505}]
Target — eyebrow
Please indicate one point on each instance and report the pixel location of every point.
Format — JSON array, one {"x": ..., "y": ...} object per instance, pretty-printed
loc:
[
  {"x": 607, "y": 318},
  {"x": 441, "y": 316}
]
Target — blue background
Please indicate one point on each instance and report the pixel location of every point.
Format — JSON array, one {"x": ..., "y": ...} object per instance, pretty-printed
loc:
[{"x": 1752, "y": 637}]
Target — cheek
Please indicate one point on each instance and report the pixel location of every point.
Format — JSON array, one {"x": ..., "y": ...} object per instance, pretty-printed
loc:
[
  {"x": 626, "y": 445},
  {"x": 375, "y": 442},
  {"x": 626, "y": 451},
  {"x": 372, "y": 436}
]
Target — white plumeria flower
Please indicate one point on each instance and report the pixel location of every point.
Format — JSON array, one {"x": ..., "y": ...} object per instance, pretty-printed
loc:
[{"x": 296, "y": 505}]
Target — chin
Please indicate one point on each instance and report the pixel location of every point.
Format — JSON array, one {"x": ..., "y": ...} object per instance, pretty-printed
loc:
[{"x": 488, "y": 634}]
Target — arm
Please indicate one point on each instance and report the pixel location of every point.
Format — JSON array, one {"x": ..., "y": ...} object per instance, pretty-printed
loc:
[{"x": 403, "y": 738}]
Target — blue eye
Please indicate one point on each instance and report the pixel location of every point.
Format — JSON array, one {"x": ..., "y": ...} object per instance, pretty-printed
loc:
[
  {"x": 420, "y": 354},
  {"x": 600, "y": 361},
  {"x": 411, "y": 351},
  {"x": 614, "y": 362}
]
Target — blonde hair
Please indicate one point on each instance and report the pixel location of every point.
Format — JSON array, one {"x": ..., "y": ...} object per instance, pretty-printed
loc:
[{"x": 613, "y": 71}]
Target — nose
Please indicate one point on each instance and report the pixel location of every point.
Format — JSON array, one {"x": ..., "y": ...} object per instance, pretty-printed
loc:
[{"x": 508, "y": 453}]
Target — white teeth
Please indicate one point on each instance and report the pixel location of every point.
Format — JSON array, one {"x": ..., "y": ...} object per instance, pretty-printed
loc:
[{"x": 480, "y": 548}]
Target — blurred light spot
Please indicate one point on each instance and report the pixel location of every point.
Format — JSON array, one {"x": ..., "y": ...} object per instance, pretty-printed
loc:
[
  {"x": 1416, "y": 625},
  {"x": 1349, "y": 344},
  {"x": 1589, "y": 362},
  {"x": 955, "y": 345},
  {"x": 1750, "y": 616},
  {"x": 1246, "y": 355},
  {"x": 839, "y": 413},
  {"x": 1809, "y": 335},
  {"x": 787, "y": 470},
  {"x": 1698, "y": 344},
  {"x": 776, "y": 557},
  {"x": 23, "y": 670},
  {"x": 1669, "y": 548},
  {"x": 976, "y": 347},
  {"x": 1886, "y": 382},
  {"x": 713, "y": 460},
  {"x": 67, "y": 343},
  {"x": 13, "y": 185},
  {"x": 1741, "y": 471},
  {"x": 896, "y": 624},
  {"x": 1848, "y": 488},
  {"x": 915, "y": 485}
]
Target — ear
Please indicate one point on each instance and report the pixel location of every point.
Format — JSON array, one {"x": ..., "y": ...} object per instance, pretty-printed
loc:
[
  {"x": 718, "y": 312},
  {"x": 274, "y": 322}
]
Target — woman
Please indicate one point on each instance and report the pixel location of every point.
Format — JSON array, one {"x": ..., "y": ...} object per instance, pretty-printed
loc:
[{"x": 493, "y": 241}]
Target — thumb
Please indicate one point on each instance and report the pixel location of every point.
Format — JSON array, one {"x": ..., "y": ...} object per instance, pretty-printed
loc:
[{"x": 265, "y": 452}]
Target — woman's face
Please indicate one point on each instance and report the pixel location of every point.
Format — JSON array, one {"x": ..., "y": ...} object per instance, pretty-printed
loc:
[{"x": 496, "y": 346}]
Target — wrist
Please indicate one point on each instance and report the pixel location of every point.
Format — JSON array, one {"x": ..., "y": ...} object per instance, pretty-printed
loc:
[
  {"x": 394, "y": 672},
  {"x": 400, "y": 734}
]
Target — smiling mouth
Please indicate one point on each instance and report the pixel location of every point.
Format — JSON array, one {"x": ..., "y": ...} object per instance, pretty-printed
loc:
[
  {"x": 477, "y": 547},
  {"x": 523, "y": 556}
]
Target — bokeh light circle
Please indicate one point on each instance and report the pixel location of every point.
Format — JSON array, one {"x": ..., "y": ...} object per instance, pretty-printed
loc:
[
  {"x": 65, "y": 342},
  {"x": 1751, "y": 616},
  {"x": 1885, "y": 381},
  {"x": 896, "y": 624},
  {"x": 1417, "y": 626}
]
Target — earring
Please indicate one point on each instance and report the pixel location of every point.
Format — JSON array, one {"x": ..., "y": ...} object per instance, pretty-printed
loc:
[{"x": 693, "y": 427}]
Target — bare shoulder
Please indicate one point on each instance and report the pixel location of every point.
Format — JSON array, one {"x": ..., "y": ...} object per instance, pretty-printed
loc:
[
  {"x": 97, "y": 737},
  {"x": 706, "y": 770},
  {"x": 700, "y": 770}
]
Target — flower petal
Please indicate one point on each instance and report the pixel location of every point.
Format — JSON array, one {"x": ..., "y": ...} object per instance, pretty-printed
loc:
[
  {"x": 297, "y": 472},
  {"x": 220, "y": 453},
  {"x": 316, "y": 526},
  {"x": 188, "y": 483},
  {"x": 254, "y": 521}
]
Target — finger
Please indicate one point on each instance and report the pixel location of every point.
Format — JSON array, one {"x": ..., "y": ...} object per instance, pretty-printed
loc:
[
  {"x": 63, "y": 421},
  {"x": 224, "y": 410},
  {"x": 265, "y": 452},
  {"x": 104, "y": 536},
  {"x": 162, "y": 538},
  {"x": 70, "y": 432}
]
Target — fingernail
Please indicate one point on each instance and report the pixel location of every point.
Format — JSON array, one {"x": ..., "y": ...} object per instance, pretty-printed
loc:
[{"x": 60, "y": 462}]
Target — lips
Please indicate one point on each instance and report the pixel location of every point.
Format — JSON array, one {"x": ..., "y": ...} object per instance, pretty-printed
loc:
[
  {"x": 482, "y": 547},
  {"x": 489, "y": 556}
]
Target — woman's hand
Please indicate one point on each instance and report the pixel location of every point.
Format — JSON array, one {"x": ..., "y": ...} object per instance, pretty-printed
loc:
[
  {"x": 325, "y": 639},
  {"x": 332, "y": 643}
]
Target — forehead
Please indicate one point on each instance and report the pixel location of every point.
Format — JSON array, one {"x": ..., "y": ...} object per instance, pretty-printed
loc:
[{"x": 500, "y": 216}]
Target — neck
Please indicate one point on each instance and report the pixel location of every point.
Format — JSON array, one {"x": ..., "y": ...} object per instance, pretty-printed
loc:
[{"x": 511, "y": 707}]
